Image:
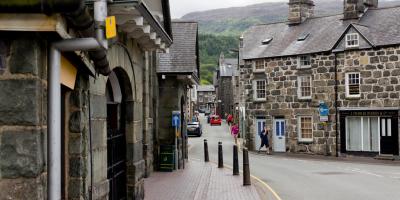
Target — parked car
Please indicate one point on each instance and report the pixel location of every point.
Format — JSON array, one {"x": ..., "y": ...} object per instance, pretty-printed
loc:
[
  {"x": 201, "y": 110},
  {"x": 194, "y": 128},
  {"x": 207, "y": 112},
  {"x": 215, "y": 120}
]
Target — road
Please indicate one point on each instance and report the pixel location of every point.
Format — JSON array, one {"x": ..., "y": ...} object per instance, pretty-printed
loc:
[{"x": 302, "y": 178}]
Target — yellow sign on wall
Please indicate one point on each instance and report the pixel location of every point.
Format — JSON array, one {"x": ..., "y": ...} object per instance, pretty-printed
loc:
[
  {"x": 111, "y": 27},
  {"x": 68, "y": 73}
]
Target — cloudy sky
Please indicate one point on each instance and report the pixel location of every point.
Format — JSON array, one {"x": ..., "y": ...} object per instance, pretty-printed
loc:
[{"x": 182, "y": 7}]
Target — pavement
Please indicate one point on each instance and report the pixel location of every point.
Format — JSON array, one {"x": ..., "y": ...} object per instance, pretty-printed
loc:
[{"x": 200, "y": 181}]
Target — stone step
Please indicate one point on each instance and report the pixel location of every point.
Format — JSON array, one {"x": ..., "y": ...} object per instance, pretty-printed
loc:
[{"x": 385, "y": 157}]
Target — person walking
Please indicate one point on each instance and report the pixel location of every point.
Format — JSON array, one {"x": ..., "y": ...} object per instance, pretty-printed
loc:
[
  {"x": 229, "y": 119},
  {"x": 264, "y": 139},
  {"x": 235, "y": 131}
]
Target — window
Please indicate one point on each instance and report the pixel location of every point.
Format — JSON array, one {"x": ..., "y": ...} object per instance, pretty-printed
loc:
[
  {"x": 304, "y": 62},
  {"x": 352, "y": 40},
  {"x": 259, "y": 65},
  {"x": 305, "y": 129},
  {"x": 362, "y": 133},
  {"x": 303, "y": 37},
  {"x": 353, "y": 85},
  {"x": 200, "y": 99},
  {"x": 259, "y": 89},
  {"x": 304, "y": 87}
]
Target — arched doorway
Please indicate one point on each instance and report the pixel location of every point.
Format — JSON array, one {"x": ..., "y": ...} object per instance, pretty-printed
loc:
[{"x": 116, "y": 136}]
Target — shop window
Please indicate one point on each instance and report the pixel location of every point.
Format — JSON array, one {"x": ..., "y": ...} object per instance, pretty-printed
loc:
[
  {"x": 362, "y": 134},
  {"x": 305, "y": 128},
  {"x": 353, "y": 85},
  {"x": 304, "y": 87}
]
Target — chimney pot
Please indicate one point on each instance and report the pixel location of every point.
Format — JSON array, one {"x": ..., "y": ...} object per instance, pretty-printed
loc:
[{"x": 300, "y": 10}]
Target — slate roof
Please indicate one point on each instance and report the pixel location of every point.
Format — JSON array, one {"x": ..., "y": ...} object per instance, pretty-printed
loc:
[
  {"x": 380, "y": 26},
  {"x": 205, "y": 88},
  {"x": 229, "y": 67},
  {"x": 183, "y": 53}
]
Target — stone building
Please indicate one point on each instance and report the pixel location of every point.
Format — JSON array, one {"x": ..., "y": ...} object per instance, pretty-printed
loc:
[
  {"x": 226, "y": 77},
  {"x": 107, "y": 108},
  {"x": 348, "y": 62},
  {"x": 178, "y": 71},
  {"x": 206, "y": 97}
]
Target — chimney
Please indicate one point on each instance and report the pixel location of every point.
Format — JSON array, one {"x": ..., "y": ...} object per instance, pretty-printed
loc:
[
  {"x": 300, "y": 10},
  {"x": 353, "y": 9}
]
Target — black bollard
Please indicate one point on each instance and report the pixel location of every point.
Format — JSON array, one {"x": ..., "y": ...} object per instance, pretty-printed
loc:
[
  {"x": 206, "y": 158},
  {"x": 220, "y": 157},
  {"x": 235, "y": 160},
  {"x": 246, "y": 168}
]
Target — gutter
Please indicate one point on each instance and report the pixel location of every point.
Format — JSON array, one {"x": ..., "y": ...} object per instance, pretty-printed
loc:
[{"x": 77, "y": 15}]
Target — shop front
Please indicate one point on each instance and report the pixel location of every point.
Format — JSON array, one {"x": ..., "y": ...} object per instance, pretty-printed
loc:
[{"x": 369, "y": 132}]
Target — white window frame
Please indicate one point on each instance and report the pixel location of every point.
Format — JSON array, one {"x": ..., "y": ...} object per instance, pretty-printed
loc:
[
  {"x": 300, "y": 65},
  {"x": 254, "y": 66},
  {"x": 255, "y": 93},
  {"x": 348, "y": 95},
  {"x": 299, "y": 81},
  {"x": 352, "y": 37},
  {"x": 300, "y": 138}
]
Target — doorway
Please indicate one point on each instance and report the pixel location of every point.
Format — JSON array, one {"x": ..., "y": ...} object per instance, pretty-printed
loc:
[
  {"x": 279, "y": 138},
  {"x": 260, "y": 124},
  {"x": 387, "y": 142},
  {"x": 116, "y": 142}
]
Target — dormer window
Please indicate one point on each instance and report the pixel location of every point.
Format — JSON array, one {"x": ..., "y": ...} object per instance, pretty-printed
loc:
[
  {"x": 352, "y": 40},
  {"x": 267, "y": 41}
]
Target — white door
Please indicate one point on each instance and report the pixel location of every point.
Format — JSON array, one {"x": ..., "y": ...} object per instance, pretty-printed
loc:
[
  {"x": 279, "y": 135},
  {"x": 260, "y": 124}
]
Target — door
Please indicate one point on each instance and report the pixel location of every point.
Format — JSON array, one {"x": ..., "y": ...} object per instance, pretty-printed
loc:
[
  {"x": 260, "y": 124},
  {"x": 116, "y": 156},
  {"x": 279, "y": 136},
  {"x": 388, "y": 144}
]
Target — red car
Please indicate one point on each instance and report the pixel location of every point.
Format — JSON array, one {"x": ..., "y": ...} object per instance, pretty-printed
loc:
[{"x": 215, "y": 120}]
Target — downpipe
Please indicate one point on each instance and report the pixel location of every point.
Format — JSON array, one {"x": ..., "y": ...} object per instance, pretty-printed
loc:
[
  {"x": 54, "y": 97},
  {"x": 54, "y": 110}
]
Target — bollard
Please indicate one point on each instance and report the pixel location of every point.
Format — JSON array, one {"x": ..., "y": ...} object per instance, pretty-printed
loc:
[
  {"x": 246, "y": 168},
  {"x": 220, "y": 157},
  {"x": 206, "y": 158},
  {"x": 235, "y": 160}
]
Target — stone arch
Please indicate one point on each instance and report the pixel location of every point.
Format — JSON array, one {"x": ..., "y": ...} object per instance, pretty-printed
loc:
[{"x": 119, "y": 117}]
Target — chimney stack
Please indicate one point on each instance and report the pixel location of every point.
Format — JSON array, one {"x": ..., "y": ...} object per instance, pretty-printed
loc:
[
  {"x": 300, "y": 10},
  {"x": 353, "y": 9}
]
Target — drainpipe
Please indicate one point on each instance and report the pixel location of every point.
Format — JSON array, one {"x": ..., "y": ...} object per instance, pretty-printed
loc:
[
  {"x": 54, "y": 110},
  {"x": 336, "y": 106}
]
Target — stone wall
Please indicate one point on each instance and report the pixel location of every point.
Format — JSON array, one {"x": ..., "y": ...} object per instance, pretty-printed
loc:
[
  {"x": 171, "y": 94},
  {"x": 225, "y": 94},
  {"x": 379, "y": 70},
  {"x": 23, "y": 125}
]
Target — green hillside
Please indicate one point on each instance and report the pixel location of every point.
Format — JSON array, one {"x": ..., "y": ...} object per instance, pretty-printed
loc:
[{"x": 211, "y": 45}]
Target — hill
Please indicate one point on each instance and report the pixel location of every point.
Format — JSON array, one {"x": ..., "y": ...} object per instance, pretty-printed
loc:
[{"x": 220, "y": 29}]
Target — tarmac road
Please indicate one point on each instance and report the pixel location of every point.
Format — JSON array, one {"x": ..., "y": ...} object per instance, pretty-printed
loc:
[{"x": 298, "y": 178}]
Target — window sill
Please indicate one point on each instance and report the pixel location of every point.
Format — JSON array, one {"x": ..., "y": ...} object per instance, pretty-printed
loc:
[
  {"x": 304, "y": 67},
  {"x": 306, "y": 141},
  {"x": 259, "y": 100},
  {"x": 304, "y": 98},
  {"x": 258, "y": 70},
  {"x": 352, "y": 47},
  {"x": 353, "y": 97}
]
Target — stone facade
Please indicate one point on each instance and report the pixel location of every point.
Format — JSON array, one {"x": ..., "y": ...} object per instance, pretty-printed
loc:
[
  {"x": 207, "y": 100},
  {"x": 85, "y": 153},
  {"x": 379, "y": 89}
]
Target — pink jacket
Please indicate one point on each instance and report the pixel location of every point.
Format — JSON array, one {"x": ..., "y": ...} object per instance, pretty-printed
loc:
[{"x": 234, "y": 130}]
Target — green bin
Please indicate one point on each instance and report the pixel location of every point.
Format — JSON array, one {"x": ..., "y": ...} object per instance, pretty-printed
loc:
[{"x": 167, "y": 158}]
